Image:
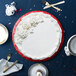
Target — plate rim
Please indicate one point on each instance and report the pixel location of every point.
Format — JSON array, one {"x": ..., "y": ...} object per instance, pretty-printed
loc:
[{"x": 38, "y": 60}]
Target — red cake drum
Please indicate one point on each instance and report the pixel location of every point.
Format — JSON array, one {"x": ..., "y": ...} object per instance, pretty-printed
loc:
[{"x": 37, "y": 36}]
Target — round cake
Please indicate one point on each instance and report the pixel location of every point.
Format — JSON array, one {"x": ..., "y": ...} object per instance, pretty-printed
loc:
[{"x": 37, "y": 36}]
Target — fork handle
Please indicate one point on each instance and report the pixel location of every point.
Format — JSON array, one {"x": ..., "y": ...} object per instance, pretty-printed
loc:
[
  {"x": 58, "y": 9},
  {"x": 6, "y": 62},
  {"x": 5, "y": 65},
  {"x": 58, "y": 3}
]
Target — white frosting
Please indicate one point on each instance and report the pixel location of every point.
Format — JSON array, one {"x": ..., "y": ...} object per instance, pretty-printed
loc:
[
  {"x": 2, "y": 34},
  {"x": 10, "y": 9},
  {"x": 39, "y": 74},
  {"x": 67, "y": 52},
  {"x": 38, "y": 35}
]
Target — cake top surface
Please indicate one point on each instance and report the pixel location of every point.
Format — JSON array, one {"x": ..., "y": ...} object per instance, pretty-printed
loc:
[{"x": 38, "y": 35}]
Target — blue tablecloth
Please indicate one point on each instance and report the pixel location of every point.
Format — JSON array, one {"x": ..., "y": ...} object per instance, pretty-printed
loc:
[{"x": 60, "y": 65}]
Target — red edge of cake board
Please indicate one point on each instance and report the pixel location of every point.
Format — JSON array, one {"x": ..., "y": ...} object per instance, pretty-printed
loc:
[{"x": 31, "y": 58}]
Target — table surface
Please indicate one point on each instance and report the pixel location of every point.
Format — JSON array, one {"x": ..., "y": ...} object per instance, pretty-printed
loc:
[{"x": 60, "y": 65}]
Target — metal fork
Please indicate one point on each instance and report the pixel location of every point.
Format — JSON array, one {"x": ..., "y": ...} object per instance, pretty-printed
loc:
[
  {"x": 8, "y": 58},
  {"x": 52, "y": 5}
]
